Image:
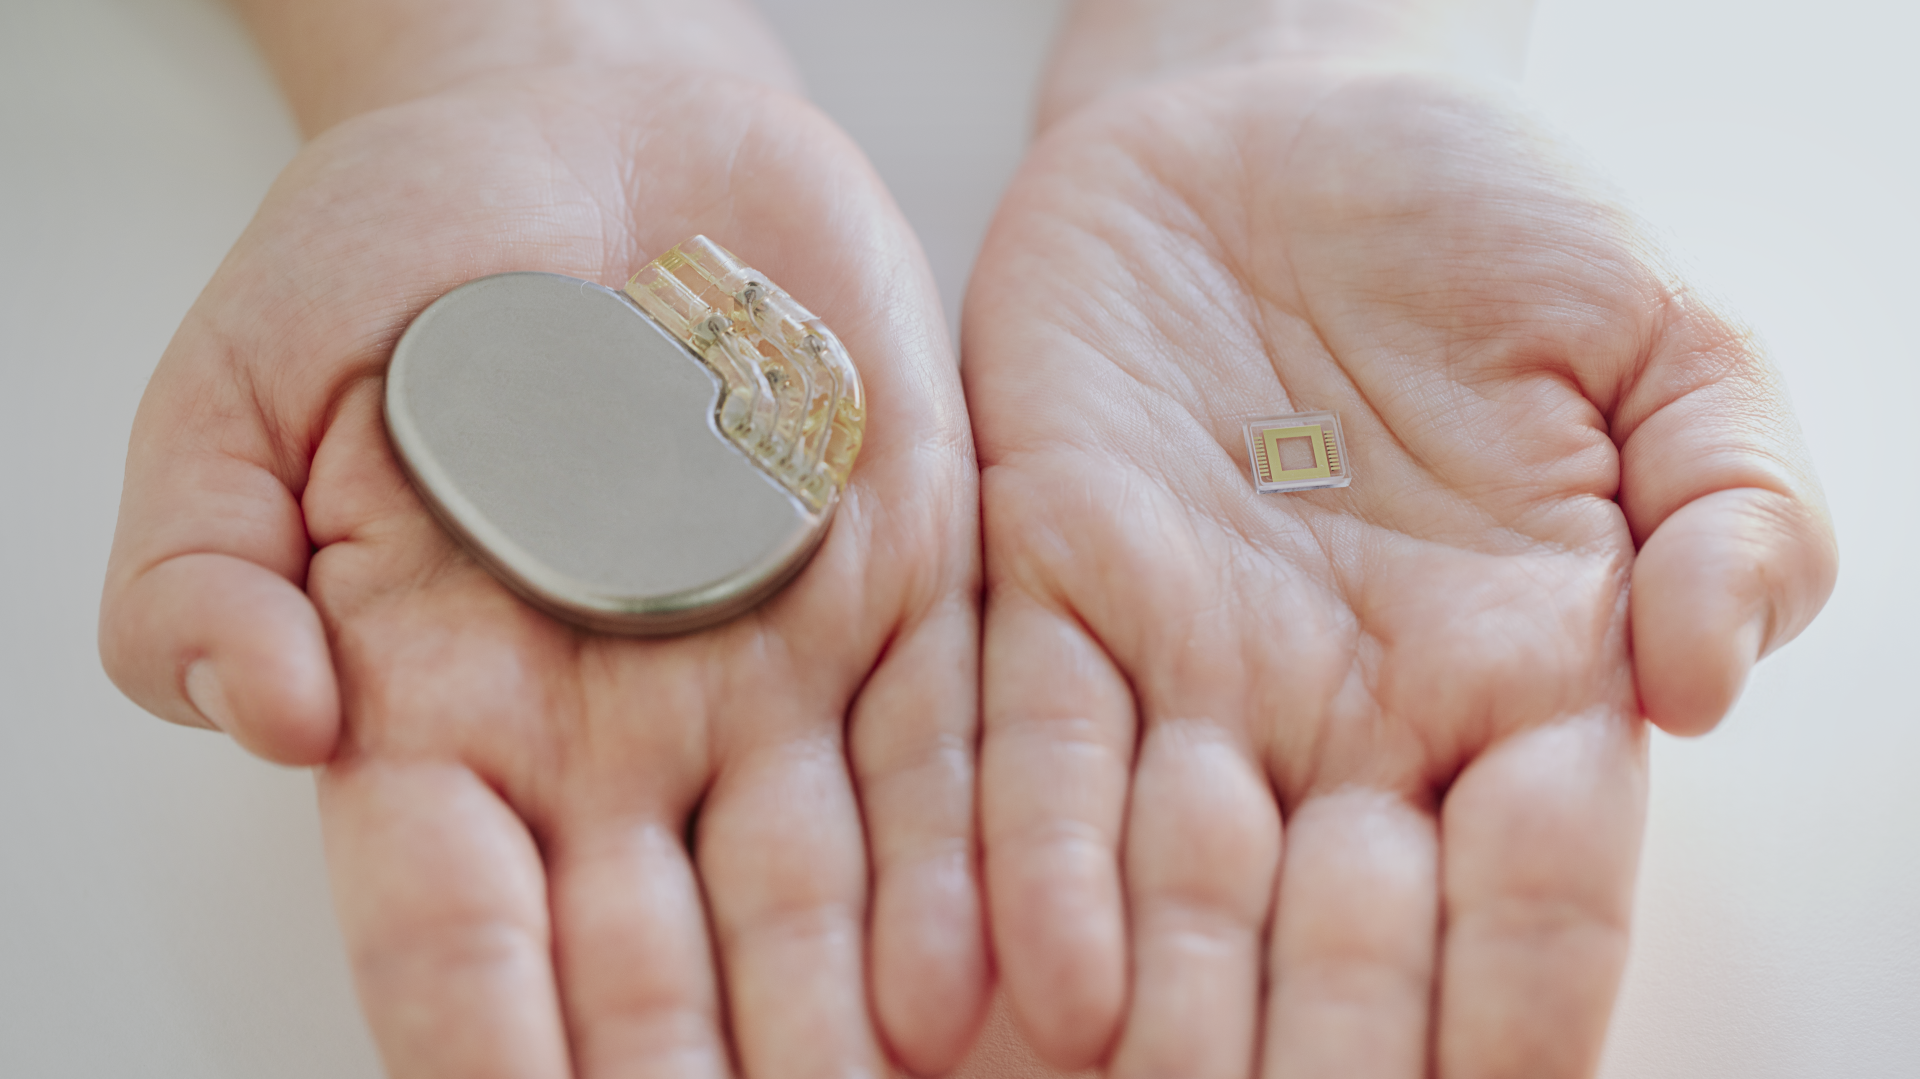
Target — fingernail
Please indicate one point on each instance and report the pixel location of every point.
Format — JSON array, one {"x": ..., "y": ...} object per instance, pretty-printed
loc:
[
  {"x": 207, "y": 696},
  {"x": 1752, "y": 637}
]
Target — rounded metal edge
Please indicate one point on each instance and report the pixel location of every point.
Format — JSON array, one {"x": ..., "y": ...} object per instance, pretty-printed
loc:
[{"x": 558, "y": 594}]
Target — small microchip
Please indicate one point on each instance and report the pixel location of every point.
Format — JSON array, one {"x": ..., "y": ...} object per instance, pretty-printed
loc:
[{"x": 1299, "y": 451}]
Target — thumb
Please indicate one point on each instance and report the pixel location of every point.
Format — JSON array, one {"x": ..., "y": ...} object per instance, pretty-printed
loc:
[
  {"x": 1737, "y": 553},
  {"x": 203, "y": 620}
]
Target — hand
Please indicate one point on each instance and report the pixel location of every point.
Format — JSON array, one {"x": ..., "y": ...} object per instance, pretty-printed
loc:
[
  {"x": 1578, "y": 499},
  {"x": 554, "y": 852}
]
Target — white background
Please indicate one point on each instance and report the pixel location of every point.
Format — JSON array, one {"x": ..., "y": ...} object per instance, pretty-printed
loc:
[{"x": 163, "y": 909}]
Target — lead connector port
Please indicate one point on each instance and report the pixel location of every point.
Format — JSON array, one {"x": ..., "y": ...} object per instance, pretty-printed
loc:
[{"x": 791, "y": 398}]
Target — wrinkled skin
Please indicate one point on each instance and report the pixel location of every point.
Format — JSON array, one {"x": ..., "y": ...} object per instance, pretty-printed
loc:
[
  {"x": 554, "y": 852},
  {"x": 1578, "y": 500}
]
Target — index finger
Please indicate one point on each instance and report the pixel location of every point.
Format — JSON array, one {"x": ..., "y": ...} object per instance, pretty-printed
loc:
[
  {"x": 1541, "y": 835},
  {"x": 442, "y": 899}
]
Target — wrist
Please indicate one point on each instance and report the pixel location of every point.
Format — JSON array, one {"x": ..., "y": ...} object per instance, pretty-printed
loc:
[
  {"x": 1109, "y": 45},
  {"x": 338, "y": 58}
]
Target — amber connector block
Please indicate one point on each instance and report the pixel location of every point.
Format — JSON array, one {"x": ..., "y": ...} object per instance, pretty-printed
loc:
[{"x": 792, "y": 400}]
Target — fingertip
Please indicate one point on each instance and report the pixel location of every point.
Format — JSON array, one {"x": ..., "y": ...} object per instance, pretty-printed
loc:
[
  {"x": 275, "y": 675},
  {"x": 1723, "y": 581},
  {"x": 1689, "y": 669},
  {"x": 1060, "y": 941},
  {"x": 932, "y": 976},
  {"x": 1071, "y": 1039},
  {"x": 214, "y": 641}
]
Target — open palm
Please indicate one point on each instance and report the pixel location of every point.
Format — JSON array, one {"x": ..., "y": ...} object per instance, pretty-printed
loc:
[
  {"x": 556, "y": 852},
  {"x": 1432, "y": 681}
]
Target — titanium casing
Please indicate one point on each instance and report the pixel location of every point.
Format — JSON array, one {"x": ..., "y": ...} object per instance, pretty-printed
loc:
[{"x": 572, "y": 443}]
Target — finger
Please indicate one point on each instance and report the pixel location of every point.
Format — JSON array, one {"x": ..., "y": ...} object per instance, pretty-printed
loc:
[
  {"x": 1541, "y": 834},
  {"x": 1352, "y": 955},
  {"x": 914, "y": 732},
  {"x": 1203, "y": 848},
  {"x": 1054, "y": 765},
  {"x": 443, "y": 905},
  {"x": 632, "y": 947},
  {"x": 782, "y": 854},
  {"x": 1737, "y": 552},
  {"x": 203, "y": 621}
]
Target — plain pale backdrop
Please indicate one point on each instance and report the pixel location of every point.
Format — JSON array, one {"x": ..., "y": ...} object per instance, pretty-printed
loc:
[{"x": 163, "y": 907}]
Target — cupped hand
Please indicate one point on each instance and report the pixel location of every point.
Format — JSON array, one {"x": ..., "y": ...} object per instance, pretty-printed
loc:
[
  {"x": 1578, "y": 499},
  {"x": 555, "y": 852}
]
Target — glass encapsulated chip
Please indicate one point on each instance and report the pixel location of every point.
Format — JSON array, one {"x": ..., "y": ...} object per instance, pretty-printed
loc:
[{"x": 1300, "y": 451}]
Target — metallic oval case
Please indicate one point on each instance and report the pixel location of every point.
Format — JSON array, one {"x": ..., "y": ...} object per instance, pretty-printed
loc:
[{"x": 570, "y": 441}]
